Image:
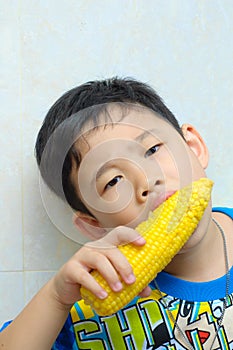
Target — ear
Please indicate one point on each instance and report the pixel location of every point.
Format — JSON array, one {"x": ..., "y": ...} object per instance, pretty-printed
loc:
[
  {"x": 88, "y": 225},
  {"x": 196, "y": 144}
]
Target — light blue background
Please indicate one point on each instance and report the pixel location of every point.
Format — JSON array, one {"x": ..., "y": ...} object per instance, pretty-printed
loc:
[{"x": 183, "y": 48}]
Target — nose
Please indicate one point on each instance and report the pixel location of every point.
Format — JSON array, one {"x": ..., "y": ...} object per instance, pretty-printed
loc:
[
  {"x": 145, "y": 188},
  {"x": 145, "y": 176}
]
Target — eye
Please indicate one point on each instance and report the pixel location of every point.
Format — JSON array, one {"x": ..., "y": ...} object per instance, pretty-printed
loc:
[
  {"x": 152, "y": 150},
  {"x": 113, "y": 182}
]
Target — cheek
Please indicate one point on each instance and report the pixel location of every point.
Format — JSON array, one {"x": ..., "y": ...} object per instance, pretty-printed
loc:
[
  {"x": 168, "y": 164},
  {"x": 180, "y": 162},
  {"x": 109, "y": 221},
  {"x": 172, "y": 169},
  {"x": 113, "y": 201},
  {"x": 130, "y": 216}
]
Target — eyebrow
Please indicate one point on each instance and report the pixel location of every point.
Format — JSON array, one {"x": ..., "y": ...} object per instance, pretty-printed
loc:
[{"x": 145, "y": 134}]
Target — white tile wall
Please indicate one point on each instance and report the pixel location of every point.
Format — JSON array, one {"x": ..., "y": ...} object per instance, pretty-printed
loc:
[
  {"x": 183, "y": 48},
  {"x": 11, "y": 294},
  {"x": 33, "y": 281}
]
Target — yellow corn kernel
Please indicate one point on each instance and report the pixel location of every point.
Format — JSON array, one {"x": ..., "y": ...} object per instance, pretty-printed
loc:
[{"x": 166, "y": 231}]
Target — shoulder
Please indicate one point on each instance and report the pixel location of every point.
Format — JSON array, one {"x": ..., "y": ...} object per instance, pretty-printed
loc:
[
  {"x": 224, "y": 216},
  {"x": 224, "y": 210},
  {"x": 5, "y": 325}
]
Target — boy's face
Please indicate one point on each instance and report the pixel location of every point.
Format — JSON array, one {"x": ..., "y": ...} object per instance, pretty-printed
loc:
[{"x": 131, "y": 166}]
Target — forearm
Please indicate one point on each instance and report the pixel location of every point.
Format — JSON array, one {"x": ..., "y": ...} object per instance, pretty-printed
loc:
[{"x": 38, "y": 325}]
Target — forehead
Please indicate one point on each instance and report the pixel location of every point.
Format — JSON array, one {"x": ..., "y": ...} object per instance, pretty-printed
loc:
[{"x": 131, "y": 122}]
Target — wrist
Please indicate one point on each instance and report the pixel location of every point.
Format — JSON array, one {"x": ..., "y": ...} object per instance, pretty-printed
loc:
[{"x": 53, "y": 295}]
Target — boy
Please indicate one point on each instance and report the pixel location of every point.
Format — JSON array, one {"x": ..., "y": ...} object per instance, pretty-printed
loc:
[{"x": 114, "y": 152}]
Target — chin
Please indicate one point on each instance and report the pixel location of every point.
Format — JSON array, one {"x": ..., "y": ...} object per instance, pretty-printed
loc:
[{"x": 193, "y": 241}]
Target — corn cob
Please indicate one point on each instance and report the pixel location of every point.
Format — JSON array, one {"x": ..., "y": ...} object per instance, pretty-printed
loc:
[{"x": 166, "y": 231}]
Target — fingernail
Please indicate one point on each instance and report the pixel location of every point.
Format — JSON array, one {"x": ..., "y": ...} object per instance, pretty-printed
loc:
[
  {"x": 130, "y": 278},
  {"x": 141, "y": 240},
  {"x": 117, "y": 286},
  {"x": 102, "y": 295}
]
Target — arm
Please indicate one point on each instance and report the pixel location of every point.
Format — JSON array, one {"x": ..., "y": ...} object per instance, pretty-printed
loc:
[{"x": 39, "y": 324}]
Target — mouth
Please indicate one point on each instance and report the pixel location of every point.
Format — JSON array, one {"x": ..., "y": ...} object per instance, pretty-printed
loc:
[{"x": 161, "y": 198}]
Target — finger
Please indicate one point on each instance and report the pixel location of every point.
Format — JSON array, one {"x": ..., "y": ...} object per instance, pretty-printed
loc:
[
  {"x": 146, "y": 292},
  {"x": 101, "y": 262},
  {"x": 74, "y": 274},
  {"x": 85, "y": 279},
  {"x": 121, "y": 235},
  {"x": 121, "y": 265},
  {"x": 139, "y": 241}
]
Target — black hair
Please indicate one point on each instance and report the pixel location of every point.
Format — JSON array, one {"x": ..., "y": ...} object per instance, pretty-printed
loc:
[{"x": 81, "y": 98}]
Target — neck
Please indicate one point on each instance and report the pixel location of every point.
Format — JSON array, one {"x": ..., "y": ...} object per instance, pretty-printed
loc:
[{"x": 197, "y": 261}]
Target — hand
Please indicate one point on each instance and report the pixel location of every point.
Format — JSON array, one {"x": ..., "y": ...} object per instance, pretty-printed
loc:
[{"x": 104, "y": 256}]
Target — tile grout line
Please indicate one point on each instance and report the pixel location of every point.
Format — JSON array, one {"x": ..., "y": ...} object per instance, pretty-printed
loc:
[{"x": 27, "y": 271}]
